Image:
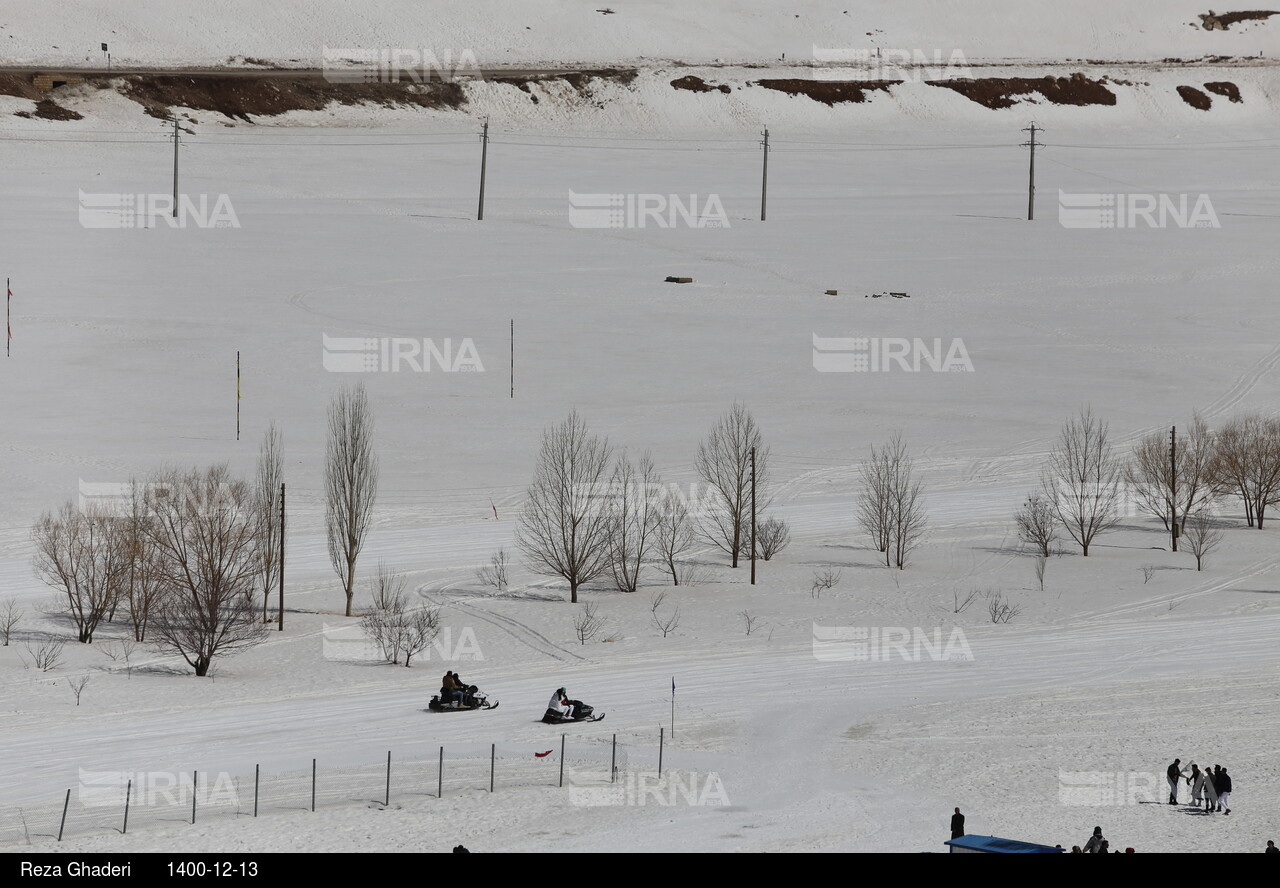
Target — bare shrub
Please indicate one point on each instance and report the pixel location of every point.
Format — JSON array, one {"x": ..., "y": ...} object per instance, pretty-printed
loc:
[
  {"x": 824, "y": 579},
  {"x": 587, "y": 623},
  {"x": 77, "y": 686},
  {"x": 772, "y": 536},
  {"x": 958, "y": 605},
  {"x": 1000, "y": 609},
  {"x": 494, "y": 574},
  {"x": 666, "y": 625},
  {"x": 750, "y": 622},
  {"x": 46, "y": 655},
  {"x": 1037, "y": 523}
]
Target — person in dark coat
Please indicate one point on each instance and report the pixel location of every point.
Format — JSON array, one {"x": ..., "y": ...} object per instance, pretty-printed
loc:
[
  {"x": 1174, "y": 774},
  {"x": 1271, "y": 847},
  {"x": 957, "y": 824},
  {"x": 1224, "y": 791},
  {"x": 1096, "y": 841}
]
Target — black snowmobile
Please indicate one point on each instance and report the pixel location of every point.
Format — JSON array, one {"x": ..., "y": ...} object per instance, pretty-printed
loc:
[
  {"x": 472, "y": 700},
  {"x": 581, "y": 712}
]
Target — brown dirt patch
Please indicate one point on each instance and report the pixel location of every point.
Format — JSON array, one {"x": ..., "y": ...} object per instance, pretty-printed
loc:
[
  {"x": 697, "y": 84},
  {"x": 1225, "y": 88},
  {"x": 246, "y": 97},
  {"x": 1221, "y": 21},
  {"x": 19, "y": 85},
  {"x": 49, "y": 110},
  {"x": 1195, "y": 98},
  {"x": 829, "y": 92},
  {"x": 1005, "y": 92}
]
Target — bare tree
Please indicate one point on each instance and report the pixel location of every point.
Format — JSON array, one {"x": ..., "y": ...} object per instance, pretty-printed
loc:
[
  {"x": 1082, "y": 479},
  {"x": 822, "y": 581},
  {"x": 673, "y": 536},
  {"x": 1148, "y": 571},
  {"x": 875, "y": 503},
  {"x": 10, "y": 616},
  {"x": 143, "y": 579},
  {"x": 666, "y": 625},
  {"x": 772, "y": 536},
  {"x": 1172, "y": 482},
  {"x": 724, "y": 462},
  {"x": 587, "y": 623},
  {"x": 1247, "y": 462},
  {"x": 633, "y": 513},
  {"x": 207, "y": 547},
  {"x": 1041, "y": 563},
  {"x": 79, "y": 554},
  {"x": 495, "y": 572},
  {"x": 564, "y": 528},
  {"x": 77, "y": 686},
  {"x": 1202, "y": 536},
  {"x": 396, "y": 628},
  {"x": 750, "y": 622},
  {"x": 891, "y": 509},
  {"x": 266, "y": 491},
  {"x": 350, "y": 482},
  {"x": 1037, "y": 523}
]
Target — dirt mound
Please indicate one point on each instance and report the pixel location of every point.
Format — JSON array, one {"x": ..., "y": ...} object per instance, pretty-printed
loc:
[
  {"x": 49, "y": 110},
  {"x": 829, "y": 91},
  {"x": 19, "y": 85},
  {"x": 697, "y": 84},
  {"x": 1005, "y": 92},
  {"x": 1221, "y": 21},
  {"x": 1195, "y": 98},
  {"x": 245, "y": 97},
  {"x": 584, "y": 83},
  {"x": 1225, "y": 88}
]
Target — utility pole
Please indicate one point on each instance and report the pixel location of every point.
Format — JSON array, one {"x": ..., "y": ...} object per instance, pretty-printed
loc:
[
  {"x": 764, "y": 179},
  {"x": 753, "y": 516},
  {"x": 513, "y": 357},
  {"x": 1173, "y": 486},
  {"x": 280, "y": 611},
  {"x": 484, "y": 158},
  {"x": 175, "y": 166},
  {"x": 1031, "y": 183}
]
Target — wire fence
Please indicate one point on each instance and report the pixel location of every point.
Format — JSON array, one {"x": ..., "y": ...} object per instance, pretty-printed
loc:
[{"x": 106, "y": 802}]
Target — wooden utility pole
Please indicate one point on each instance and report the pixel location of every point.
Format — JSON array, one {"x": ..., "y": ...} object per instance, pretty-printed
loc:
[
  {"x": 484, "y": 159},
  {"x": 1031, "y": 182},
  {"x": 753, "y": 516},
  {"x": 280, "y": 611},
  {"x": 1173, "y": 487},
  {"x": 513, "y": 361},
  {"x": 175, "y": 166},
  {"x": 764, "y": 178}
]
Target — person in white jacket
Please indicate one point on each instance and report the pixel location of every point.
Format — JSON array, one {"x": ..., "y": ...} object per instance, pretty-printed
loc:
[{"x": 560, "y": 704}]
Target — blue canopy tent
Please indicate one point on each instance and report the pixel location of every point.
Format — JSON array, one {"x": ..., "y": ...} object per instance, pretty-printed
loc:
[{"x": 994, "y": 845}]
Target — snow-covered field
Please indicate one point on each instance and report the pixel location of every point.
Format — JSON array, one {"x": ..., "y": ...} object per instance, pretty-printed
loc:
[{"x": 361, "y": 223}]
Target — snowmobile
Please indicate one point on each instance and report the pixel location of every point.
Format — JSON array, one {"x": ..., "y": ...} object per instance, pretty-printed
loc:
[
  {"x": 472, "y": 700},
  {"x": 581, "y": 712}
]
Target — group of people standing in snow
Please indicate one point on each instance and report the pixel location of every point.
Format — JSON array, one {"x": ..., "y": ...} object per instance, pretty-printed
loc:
[{"x": 1210, "y": 787}]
